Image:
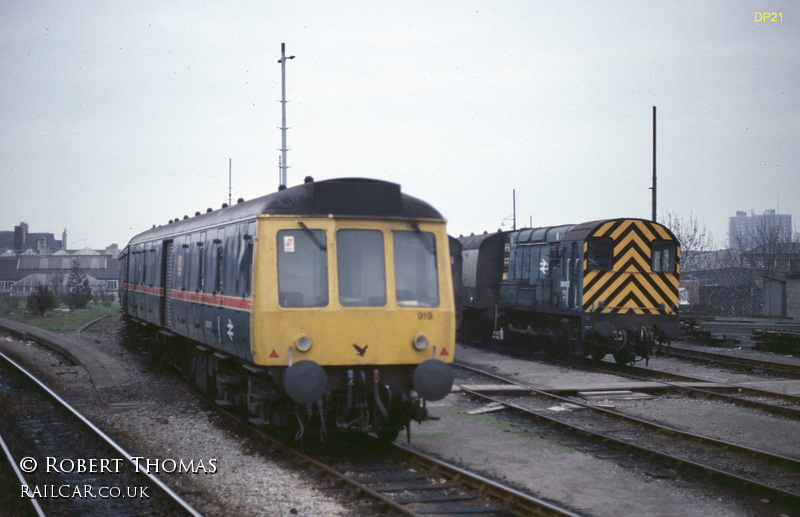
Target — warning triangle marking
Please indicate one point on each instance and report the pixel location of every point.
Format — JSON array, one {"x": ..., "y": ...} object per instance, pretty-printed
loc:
[
  {"x": 273, "y": 354},
  {"x": 443, "y": 352}
]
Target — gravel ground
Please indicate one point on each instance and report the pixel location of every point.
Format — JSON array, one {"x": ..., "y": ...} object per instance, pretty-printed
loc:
[
  {"x": 154, "y": 416},
  {"x": 595, "y": 482}
]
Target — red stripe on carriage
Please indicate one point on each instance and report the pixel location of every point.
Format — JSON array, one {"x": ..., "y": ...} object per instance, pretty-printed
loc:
[{"x": 230, "y": 302}]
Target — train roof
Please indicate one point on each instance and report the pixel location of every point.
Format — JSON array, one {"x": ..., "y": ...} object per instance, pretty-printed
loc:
[
  {"x": 582, "y": 231},
  {"x": 574, "y": 232},
  {"x": 470, "y": 242},
  {"x": 348, "y": 197}
]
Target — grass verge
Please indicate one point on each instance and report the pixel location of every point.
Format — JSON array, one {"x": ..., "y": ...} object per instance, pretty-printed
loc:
[{"x": 62, "y": 320}]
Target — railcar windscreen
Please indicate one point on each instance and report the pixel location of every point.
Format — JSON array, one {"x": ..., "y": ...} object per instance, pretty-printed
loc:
[
  {"x": 416, "y": 275},
  {"x": 302, "y": 268},
  {"x": 361, "y": 268}
]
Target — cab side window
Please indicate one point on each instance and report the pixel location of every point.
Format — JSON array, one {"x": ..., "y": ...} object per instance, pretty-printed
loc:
[
  {"x": 600, "y": 254},
  {"x": 664, "y": 256}
]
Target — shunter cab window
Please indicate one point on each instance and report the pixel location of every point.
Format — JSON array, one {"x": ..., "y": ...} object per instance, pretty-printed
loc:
[
  {"x": 664, "y": 256},
  {"x": 361, "y": 268},
  {"x": 600, "y": 254},
  {"x": 416, "y": 276},
  {"x": 302, "y": 268}
]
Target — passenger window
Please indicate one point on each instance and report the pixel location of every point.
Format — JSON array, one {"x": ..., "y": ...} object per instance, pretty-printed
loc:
[
  {"x": 218, "y": 270},
  {"x": 201, "y": 279},
  {"x": 302, "y": 268},
  {"x": 663, "y": 257},
  {"x": 187, "y": 266},
  {"x": 248, "y": 267},
  {"x": 361, "y": 268},
  {"x": 600, "y": 254},
  {"x": 415, "y": 273}
]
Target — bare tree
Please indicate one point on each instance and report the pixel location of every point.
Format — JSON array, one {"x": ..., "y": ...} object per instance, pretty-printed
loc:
[
  {"x": 770, "y": 249},
  {"x": 693, "y": 239},
  {"x": 764, "y": 248},
  {"x": 733, "y": 287}
]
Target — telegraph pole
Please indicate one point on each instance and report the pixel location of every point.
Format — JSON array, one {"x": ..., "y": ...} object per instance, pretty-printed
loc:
[{"x": 282, "y": 164}]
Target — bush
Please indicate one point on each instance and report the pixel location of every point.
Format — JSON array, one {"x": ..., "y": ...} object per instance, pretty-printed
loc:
[
  {"x": 41, "y": 300},
  {"x": 79, "y": 294}
]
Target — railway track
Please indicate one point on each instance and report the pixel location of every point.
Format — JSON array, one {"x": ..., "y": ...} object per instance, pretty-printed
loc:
[
  {"x": 782, "y": 369},
  {"x": 758, "y": 473},
  {"x": 768, "y": 401},
  {"x": 772, "y": 402},
  {"x": 398, "y": 479},
  {"x": 57, "y": 463},
  {"x": 404, "y": 481}
]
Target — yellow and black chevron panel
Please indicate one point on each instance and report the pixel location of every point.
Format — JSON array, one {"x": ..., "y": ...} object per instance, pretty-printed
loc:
[{"x": 629, "y": 285}]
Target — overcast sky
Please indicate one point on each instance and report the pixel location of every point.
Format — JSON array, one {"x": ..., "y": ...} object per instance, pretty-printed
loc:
[{"x": 117, "y": 115}]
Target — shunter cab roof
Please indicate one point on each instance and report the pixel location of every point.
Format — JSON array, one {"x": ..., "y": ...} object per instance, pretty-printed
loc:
[
  {"x": 348, "y": 197},
  {"x": 581, "y": 231},
  {"x": 569, "y": 232}
]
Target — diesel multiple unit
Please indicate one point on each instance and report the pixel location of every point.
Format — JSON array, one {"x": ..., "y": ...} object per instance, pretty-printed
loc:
[{"x": 328, "y": 305}]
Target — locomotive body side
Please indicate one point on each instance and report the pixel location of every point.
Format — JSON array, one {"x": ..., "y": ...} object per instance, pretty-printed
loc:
[{"x": 589, "y": 289}]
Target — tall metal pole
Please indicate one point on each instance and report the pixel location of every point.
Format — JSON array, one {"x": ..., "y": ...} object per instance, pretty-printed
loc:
[
  {"x": 230, "y": 184},
  {"x": 282, "y": 166},
  {"x": 654, "y": 164}
]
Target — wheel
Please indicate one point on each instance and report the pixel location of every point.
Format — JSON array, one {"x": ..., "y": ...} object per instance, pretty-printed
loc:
[
  {"x": 624, "y": 356},
  {"x": 598, "y": 355},
  {"x": 388, "y": 434}
]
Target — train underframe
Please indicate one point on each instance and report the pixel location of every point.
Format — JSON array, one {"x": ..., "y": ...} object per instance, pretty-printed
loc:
[
  {"x": 360, "y": 399},
  {"x": 628, "y": 337}
]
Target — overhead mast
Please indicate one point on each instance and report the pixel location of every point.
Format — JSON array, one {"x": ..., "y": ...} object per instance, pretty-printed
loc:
[
  {"x": 282, "y": 163},
  {"x": 654, "y": 165}
]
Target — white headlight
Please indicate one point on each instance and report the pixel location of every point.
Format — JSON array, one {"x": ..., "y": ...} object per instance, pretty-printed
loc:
[
  {"x": 420, "y": 342},
  {"x": 303, "y": 343}
]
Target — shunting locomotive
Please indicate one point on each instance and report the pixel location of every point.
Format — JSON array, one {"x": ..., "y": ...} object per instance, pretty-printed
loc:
[
  {"x": 595, "y": 288},
  {"x": 325, "y": 306}
]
